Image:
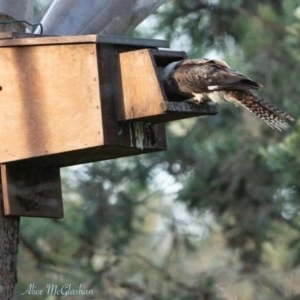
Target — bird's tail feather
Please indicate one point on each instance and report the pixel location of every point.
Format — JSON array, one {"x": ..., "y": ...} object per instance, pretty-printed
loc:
[{"x": 270, "y": 114}]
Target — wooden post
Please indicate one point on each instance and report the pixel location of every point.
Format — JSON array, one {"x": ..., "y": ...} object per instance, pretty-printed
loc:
[{"x": 9, "y": 226}]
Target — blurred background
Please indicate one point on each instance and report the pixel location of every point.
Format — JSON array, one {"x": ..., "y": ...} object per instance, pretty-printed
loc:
[{"x": 217, "y": 215}]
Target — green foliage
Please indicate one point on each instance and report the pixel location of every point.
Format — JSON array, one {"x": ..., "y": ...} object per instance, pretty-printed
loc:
[{"x": 209, "y": 23}]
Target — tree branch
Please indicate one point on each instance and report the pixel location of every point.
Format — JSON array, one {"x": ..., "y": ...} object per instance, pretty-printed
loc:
[{"x": 105, "y": 17}]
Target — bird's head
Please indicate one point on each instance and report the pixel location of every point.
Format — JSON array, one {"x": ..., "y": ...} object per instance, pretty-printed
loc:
[{"x": 168, "y": 69}]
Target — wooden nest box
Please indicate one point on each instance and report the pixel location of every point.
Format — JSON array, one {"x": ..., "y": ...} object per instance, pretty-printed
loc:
[{"x": 77, "y": 99}]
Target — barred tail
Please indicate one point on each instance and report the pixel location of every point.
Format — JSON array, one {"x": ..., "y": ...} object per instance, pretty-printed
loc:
[{"x": 270, "y": 114}]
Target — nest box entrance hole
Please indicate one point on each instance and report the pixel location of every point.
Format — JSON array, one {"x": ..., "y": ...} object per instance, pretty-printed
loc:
[{"x": 143, "y": 94}]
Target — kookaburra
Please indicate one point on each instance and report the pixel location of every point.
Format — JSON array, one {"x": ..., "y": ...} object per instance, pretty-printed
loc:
[{"x": 199, "y": 80}]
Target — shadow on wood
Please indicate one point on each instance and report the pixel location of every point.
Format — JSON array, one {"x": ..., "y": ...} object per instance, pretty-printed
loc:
[{"x": 31, "y": 190}]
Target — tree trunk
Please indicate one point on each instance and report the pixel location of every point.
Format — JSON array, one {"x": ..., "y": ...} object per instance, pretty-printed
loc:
[
  {"x": 9, "y": 227},
  {"x": 106, "y": 17},
  {"x": 9, "y": 236}
]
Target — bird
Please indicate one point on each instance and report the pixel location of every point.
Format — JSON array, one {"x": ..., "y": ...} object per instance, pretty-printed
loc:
[{"x": 204, "y": 79}]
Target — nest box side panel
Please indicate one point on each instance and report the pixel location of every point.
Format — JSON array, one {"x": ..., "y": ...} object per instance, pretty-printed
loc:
[
  {"x": 142, "y": 94},
  {"x": 49, "y": 100}
]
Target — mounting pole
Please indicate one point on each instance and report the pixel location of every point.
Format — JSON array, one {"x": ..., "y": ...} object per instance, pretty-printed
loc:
[{"x": 9, "y": 226}]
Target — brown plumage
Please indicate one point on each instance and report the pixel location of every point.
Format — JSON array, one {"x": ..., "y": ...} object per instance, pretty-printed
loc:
[{"x": 198, "y": 80}]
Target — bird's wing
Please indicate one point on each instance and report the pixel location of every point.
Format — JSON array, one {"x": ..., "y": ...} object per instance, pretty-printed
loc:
[{"x": 202, "y": 75}]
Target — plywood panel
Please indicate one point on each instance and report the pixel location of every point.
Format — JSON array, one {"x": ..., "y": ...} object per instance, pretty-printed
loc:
[
  {"x": 141, "y": 89},
  {"x": 28, "y": 39},
  {"x": 49, "y": 100}
]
